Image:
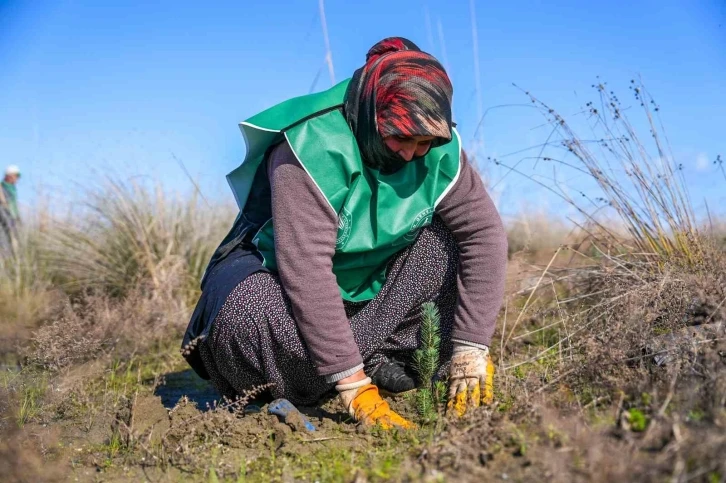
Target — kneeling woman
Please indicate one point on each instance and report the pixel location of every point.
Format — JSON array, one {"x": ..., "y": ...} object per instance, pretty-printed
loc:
[{"x": 356, "y": 207}]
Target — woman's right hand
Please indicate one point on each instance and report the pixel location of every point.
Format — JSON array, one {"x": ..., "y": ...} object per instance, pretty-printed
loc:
[{"x": 365, "y": 404}]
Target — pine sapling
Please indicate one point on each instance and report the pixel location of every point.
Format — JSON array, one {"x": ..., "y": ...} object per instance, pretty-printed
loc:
[{"x": 426, "y": 361}]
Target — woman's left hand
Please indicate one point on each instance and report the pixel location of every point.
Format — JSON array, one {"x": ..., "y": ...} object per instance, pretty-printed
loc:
[{"x": 471, "y": 379}]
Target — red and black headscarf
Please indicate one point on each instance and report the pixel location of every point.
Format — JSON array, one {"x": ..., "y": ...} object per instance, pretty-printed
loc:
[{"x": 400, "y": 91}]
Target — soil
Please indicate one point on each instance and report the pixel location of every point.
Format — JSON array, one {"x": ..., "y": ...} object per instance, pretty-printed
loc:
[{"x": 177, "y": 431}]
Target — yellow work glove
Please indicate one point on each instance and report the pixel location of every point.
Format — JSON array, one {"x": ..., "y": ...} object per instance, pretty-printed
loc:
[
  {"x": 471, "y": 379},
  {"x": 364, "y": 404}
]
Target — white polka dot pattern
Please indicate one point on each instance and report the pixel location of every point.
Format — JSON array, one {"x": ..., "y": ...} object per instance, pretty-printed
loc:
[{"x": 254, "y": 339}]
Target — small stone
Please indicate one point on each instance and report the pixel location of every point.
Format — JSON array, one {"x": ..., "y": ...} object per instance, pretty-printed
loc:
[{"x": 505, "y": 476}]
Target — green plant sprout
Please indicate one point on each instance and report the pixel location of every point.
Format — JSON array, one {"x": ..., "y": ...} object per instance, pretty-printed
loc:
[{"x": 426, "y": 362}]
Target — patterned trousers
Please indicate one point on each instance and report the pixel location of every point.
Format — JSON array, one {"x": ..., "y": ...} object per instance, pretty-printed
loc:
[{"x": 254, "y": 339}]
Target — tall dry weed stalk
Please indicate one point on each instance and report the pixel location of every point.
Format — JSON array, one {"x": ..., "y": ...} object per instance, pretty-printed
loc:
[
  {"x": 593, "y": 305},
  {"x": 638, "y": 177},
  {"x": 637, "y": 328}
]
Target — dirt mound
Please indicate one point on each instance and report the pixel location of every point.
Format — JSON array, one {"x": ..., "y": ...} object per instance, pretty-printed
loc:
[{"x": 235, "y": 436}]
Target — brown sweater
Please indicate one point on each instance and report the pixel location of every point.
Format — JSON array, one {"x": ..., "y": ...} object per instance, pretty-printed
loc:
[{"x": 305, "y": 233}]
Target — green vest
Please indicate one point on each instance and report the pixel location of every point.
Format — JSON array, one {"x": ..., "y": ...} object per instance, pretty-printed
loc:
[
  {"x": 378, "y": 215},
  {"x": 11, "y": 198}
]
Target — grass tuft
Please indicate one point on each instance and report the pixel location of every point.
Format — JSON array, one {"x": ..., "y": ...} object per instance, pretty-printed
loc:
[{"x": 131, "y": 235}]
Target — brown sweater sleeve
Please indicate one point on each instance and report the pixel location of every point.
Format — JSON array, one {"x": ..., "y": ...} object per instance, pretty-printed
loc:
[
  {"x": 470, "y": 214},
  {"x": 305, "y": 231}
]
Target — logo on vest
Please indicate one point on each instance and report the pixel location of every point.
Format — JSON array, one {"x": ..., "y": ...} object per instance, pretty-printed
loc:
[
  {"x": 421, "y": 220},
  {"x": 345, "y": 220}
]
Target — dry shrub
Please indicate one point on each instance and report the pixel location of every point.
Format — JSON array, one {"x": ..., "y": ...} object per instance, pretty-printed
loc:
[
  {"x": 99, "y": 323},
  {"x": 631, "y": 339},
  {"x": 640, "y": 184},
  {"x": 65, "y": 341},
  {"x": 642, "y": 316},
  {"x": 129, "y": 242},
  {"x": 651, "y": 343},
  {"x": 138, "y": 321}
]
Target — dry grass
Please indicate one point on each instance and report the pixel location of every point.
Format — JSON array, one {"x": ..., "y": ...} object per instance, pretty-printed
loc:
[
  {"x": 610, "y": 354},
  {"x": 27, "y": 296},
  {"x": 629, "y": 340},
  {"x": 638, "y": 179},
  {"x": 130, "y": 235},
  {"x": 534, "y": 233},
  {"x": 715, "y": 231},
  {"x": 129, "y": 242},
  {"x": 104, "y": 286}
]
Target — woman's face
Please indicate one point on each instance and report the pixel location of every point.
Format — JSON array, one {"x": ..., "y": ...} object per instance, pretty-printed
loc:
[{"x": 409, "y": 147}]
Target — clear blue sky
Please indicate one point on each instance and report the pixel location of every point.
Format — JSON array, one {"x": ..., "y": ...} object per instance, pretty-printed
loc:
[{"x": 88, "y": 87}]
